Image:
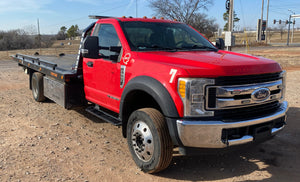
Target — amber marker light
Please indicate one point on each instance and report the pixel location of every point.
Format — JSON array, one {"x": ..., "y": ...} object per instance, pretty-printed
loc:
[{"x": 182, "y": 88}]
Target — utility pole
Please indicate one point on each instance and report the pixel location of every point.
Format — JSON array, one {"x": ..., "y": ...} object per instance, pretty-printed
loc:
[
  {"x": 261, "y": 20},
  {"x": 39, "y": 34},
  {"x": 230, "y": 18},
  {"x": 288, "y": 37},
  {"x": 266, "y": 38},
  {"x": 293, "y": 32},
  {"x": 228, "y": 35}
]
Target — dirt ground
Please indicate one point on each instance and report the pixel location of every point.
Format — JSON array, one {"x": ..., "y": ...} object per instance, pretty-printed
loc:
[{"x": 44, "y": 142}]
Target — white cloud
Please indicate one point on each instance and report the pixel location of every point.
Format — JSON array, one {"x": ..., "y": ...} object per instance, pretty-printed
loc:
[{"x": 23, "y": 5}]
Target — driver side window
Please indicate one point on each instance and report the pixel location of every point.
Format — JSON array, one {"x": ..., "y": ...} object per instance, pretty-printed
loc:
[{"x": 107, "y": 37}]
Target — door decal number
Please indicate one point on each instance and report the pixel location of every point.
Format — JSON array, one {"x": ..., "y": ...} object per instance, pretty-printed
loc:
[
  {"x": 172, "y": 73},
  {"x": 126, "y": 58}
]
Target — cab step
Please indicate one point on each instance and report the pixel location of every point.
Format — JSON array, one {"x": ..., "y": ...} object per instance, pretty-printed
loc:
[{"x": 101, "y": 114}]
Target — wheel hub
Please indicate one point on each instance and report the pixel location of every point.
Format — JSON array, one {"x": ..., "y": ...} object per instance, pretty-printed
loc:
[{"x": 142, "y": 141}]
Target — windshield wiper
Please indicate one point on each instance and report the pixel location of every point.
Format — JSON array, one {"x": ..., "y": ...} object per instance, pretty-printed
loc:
[
  {"x": 154, "y": 46},
  {"x": 201, "y": 47}
]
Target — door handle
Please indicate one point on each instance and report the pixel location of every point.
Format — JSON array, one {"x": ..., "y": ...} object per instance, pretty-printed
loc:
[{"x": 90, "y": 64}]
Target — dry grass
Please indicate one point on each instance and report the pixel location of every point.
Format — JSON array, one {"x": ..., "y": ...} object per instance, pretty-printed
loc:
[
  {"x": 273, "y": 37},
  {"x": 286, "y": 56}
]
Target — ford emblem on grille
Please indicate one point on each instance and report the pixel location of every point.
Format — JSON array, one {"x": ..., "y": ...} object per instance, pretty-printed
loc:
[{"x": 260, "y": 94}]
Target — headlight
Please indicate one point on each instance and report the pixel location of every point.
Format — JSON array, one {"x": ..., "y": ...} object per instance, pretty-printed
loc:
[
  {"x": 283, "y": 76},
  {"x": 192, "y": 93}
]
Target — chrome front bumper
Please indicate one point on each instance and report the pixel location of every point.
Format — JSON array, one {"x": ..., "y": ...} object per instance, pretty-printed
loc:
[{"x": 208, "y": 134}]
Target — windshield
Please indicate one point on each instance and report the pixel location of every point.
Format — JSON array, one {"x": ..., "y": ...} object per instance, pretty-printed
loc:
[{"x": 149, "y": 36}]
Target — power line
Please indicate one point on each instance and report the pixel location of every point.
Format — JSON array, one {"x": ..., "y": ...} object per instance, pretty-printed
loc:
[{"x": 84, "y": 17}]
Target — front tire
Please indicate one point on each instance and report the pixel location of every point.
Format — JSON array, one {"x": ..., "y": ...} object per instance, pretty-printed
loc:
[
  {"x": 149, "y": 140},
  {"x": 37, "y": 83}
]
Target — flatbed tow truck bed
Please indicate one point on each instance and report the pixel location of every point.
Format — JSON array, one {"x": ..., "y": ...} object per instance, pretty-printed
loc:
[{"x": 63, "y": 81}]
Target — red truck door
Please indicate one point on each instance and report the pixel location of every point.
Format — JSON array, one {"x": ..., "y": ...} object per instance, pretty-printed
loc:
[{"x": 102, "y": 76}]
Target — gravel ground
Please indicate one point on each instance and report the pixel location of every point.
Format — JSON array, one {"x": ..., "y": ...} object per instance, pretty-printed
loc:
[{"x": 44, "y": 142}]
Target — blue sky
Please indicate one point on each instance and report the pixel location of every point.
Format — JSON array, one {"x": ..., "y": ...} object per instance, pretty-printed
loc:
[{"x": 53, "y": 14}]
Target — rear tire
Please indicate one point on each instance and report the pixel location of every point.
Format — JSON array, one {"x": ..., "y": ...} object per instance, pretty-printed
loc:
[
  {"x": 149, "y": 140},
  {"x": 37, "y": 83}
]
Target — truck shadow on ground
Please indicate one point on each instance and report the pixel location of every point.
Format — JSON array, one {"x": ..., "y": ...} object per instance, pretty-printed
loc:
[{"x": 265, "y": 160}]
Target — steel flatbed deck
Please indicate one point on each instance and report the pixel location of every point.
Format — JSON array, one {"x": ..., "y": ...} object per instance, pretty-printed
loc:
[{"x": 61, "y": 68}]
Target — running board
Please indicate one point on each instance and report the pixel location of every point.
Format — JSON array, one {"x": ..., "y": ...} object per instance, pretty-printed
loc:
[{"x": 96, "y": 111}]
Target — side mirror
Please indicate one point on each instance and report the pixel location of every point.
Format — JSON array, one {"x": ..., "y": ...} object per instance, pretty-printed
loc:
[
  {"x": 90, "y": 47},
  {"x": 220, "y": 43}
]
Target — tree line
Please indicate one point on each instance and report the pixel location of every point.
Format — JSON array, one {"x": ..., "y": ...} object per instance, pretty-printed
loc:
[{"x": 20, "y": 39}]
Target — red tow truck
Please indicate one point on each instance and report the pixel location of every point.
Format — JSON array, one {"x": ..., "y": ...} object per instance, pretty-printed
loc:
[{"x": 166, "y": 85}]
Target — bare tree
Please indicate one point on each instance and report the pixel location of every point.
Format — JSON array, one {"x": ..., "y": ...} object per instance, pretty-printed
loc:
[
  {"x": 187, "y": 11},
  {"x": 281, "y": 29},
  {"x": 271, "y": 32},
  {"x": 61, "y": 35},
  {"x": 203, "y": 24},
  {"x": 182, "y": 10}
]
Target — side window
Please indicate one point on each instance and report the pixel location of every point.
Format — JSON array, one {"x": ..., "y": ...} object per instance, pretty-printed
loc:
[{"x": 107, "y": 37}]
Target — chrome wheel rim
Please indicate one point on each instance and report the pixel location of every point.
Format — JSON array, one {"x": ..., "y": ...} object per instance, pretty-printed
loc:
[
  {"x": 142, "y": 141},
  {"x": 34, "y": 89}
]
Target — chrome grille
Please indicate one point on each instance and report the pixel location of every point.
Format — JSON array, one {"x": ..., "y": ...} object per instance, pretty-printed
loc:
[
  {"x": 231, "y": 98},
  {"x": 228, "y": 97}
]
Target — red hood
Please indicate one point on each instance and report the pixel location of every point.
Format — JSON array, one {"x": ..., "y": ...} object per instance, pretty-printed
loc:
[{"x": 213, "y": 64}]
